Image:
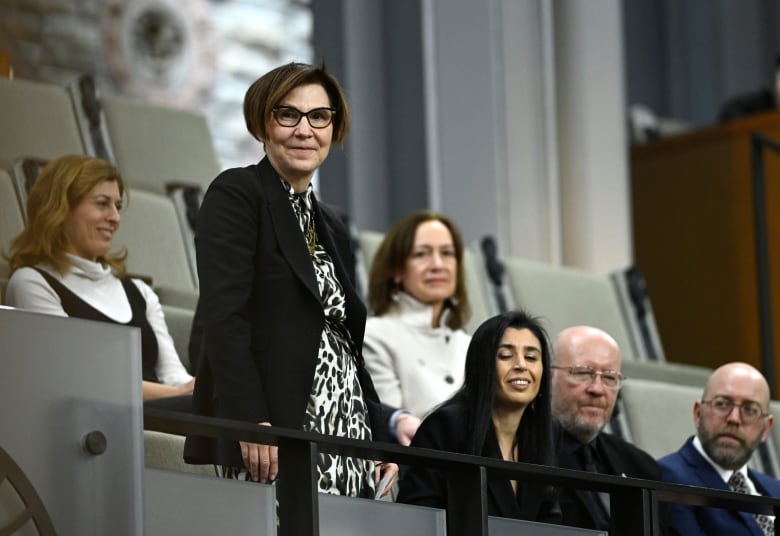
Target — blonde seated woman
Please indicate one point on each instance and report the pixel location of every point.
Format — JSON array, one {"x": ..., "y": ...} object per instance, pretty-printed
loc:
[
  {"x": 62, "y": 265},
  {"x": 414, "y": 346}
]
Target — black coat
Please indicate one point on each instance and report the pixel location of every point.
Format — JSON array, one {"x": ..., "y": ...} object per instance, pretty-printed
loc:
[
  {"x": 618, "y": 457},
  {"x": 445, "y": 429},
  {"x": 260, "y": 309}
]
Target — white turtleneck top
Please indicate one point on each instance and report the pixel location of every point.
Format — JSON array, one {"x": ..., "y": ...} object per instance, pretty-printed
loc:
[
  {"x": 413, "y": 365},
  {"x": 96, "y": 285}
]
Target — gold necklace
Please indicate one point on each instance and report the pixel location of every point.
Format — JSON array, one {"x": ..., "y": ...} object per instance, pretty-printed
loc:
[{"x": 311, "y": 236}]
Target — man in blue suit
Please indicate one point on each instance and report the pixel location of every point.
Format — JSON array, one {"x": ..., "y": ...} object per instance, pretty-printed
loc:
[{"x": 732, "y": 419}]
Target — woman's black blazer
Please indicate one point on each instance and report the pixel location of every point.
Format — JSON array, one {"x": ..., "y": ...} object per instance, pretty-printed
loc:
[
  {"x": 446, "y": 429},
  {"x": 260, "y": 309}
]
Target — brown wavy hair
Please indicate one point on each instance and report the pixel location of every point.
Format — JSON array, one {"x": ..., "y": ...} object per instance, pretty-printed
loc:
[
  {"x": 59, "y": 188},
  {"x": 390, "y": 259},
  {"x": 268, "y": 91}
]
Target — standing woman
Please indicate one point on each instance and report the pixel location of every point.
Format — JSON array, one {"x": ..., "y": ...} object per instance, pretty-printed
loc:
[
  {"x": 415, "y": 346},
  {"x": 502, "y": 411},
  {"x": 282, "y": 324}
]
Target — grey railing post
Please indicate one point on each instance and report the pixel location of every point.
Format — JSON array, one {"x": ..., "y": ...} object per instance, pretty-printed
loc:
[
  {"x": 296, "y": 489},
  {"x": 635, "y": 511},
  {"x": 467, "y": 501}
]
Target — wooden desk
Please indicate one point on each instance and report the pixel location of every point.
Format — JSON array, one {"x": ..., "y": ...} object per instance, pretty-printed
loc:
[{"x": 694, "y": 240}]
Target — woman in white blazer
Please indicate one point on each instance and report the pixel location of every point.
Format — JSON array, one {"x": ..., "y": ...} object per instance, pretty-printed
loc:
[{"x": 414, "y": 345}]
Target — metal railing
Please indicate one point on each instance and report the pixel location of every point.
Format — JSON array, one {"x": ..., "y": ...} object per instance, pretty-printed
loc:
[{"x": 634, "y": 502}]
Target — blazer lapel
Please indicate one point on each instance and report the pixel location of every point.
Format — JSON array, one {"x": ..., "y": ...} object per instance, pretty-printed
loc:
[
  {"x": 612, "y": 458},
  {"x": 711, "y": 479},
  {"x": 500, "y": 492},
  {"x": 701, "y": 467},
  {"x": 288, "y": 232},
  {"x": 337, "y": 252}
]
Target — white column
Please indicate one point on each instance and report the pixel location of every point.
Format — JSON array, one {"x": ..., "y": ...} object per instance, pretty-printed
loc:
[{"x": 592, "y": 138}]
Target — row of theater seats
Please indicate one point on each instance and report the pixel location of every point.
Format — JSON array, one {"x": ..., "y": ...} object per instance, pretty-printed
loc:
[
  {"x": 163, "y": 154},
  {"x": 167, "y": 159}
]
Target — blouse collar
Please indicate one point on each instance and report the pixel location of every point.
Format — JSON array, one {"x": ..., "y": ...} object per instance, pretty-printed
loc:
[
  {"x": 82, "y": 267},
  {"x": 416, "y": 313},
  {"x": 305, "y": 195}
]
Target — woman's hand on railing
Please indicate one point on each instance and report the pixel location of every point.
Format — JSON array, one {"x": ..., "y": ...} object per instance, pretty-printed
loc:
[{"x": 261, "y": 461}]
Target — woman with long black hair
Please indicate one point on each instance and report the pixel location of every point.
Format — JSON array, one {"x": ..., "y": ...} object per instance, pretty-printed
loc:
[{"x": 501, "y": 411}]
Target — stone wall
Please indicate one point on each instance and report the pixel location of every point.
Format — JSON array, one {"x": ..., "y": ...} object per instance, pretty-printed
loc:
[{"x": 196, "y": 54}]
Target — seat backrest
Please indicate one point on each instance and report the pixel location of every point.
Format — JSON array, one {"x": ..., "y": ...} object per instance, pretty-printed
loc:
[
  {"x": 477, "y": 289},
  {"x": 154, "y": 145},
  {"x": 659, "y": 414},
  {"x": 638, "y": 312},
  {"x": 660, "y": 371},
  {"x": 368, "y": 243},
  {"x": 37, "y": 120},
  {"x": 179, "y": 322},
  {"x": 150, "y": 231},
  {"x": 166, "y": 451},
  {"x": 11, "y": 220},
  {"x": 566, "y": 297}
]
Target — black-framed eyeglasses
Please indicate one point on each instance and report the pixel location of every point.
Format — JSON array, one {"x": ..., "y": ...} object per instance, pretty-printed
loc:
[
  {"x": 750, "y": 412},
  {"x": 289, "y": 116},
  {"x": 612, "y": 379}
]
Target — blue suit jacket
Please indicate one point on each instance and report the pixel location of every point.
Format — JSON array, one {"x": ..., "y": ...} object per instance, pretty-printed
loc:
[{"x": 687, "y": 466}]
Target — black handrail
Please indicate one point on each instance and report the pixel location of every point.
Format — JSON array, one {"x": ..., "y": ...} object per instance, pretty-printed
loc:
[{"x": 634, "y": 501}]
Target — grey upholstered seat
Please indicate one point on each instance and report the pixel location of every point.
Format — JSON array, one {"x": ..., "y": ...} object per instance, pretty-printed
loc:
[
  {"x": 166, "y": 451},
  {"x": 156, "y": 247},
  {"x": 660, "y": 417},
  {"x": 476, "y": 289},
  {"x": 155, "y": 145},
  {"x": 11, "y": 220},
  {"x": 566, "y": 297},
  {"x": 659, "y": 414},
  {"x": 37, "y": 120},
  {"x": 163, "y": 150},
  {"x": 669, "y": 372}
]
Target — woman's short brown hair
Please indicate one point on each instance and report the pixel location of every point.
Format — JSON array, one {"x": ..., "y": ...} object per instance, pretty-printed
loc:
[
  {"x": 58, "y": 189},
  {"x": 390, "y": 259},
  {"x": 268, "y": 91}
]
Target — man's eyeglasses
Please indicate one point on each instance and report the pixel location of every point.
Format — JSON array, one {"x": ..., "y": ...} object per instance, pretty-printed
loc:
[
  {"x": 611, "y": 379},
  {"x": 287, "y": 116},
  {"x": 750, "y": 412}
]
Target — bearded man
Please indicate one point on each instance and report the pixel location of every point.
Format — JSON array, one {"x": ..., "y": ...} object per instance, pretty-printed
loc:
[
  {"x": 586, "y": 381},
  {"x": 732, "y": 419}
]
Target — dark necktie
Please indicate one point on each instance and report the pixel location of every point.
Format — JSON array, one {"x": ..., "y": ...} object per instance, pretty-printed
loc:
[
  {"x": 600, "y": 499},
  {"x": 738, "y": 483}
]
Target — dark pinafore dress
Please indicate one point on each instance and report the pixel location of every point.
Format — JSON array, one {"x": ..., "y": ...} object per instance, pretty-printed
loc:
[{"x": 77, "y": 308}]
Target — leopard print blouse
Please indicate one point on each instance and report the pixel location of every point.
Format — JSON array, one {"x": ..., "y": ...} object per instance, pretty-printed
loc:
[{"x": 336, "y": 405}]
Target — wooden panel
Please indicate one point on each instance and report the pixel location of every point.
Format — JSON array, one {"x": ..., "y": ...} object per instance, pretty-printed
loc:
[
  {"x": 5, "y": 65},
  {"x": 694, "y": 240}
]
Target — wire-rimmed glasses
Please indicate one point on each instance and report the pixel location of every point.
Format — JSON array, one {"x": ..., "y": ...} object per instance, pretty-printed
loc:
[
  {"x": 611, "y": 379},
  {"x": 749, "y": 411}
]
